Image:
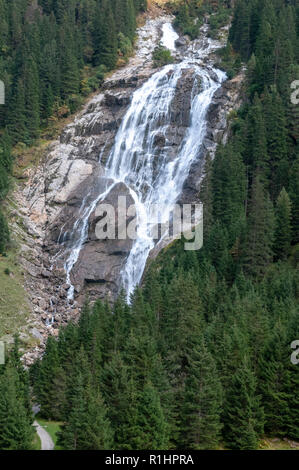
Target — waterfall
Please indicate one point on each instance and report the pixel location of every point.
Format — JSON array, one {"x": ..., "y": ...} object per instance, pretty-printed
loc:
[
  {"x": 169, "y": 36},
  {"x": 152, "y": 178}
]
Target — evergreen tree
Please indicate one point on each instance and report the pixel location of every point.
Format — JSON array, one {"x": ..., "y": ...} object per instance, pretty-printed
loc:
[
  {"x": 283, "y": 233},
  {"x": 105, "y": 37},
  {"x": 273, "y": 378},
  {"x": 206, "y": 196},
  {"x": 256, "y": 152},
  {"x": 45, "y": 388},
  {"x": 151, "y": 427},
  {"x": 276, "y": 141},
  {"x": 202, "y": 400},
  {"x": 258, "y": 251},
  {"x": 245, "y": 423},
  {"x": 16, "y": 430},
  {"x": 32, "y": 106}
]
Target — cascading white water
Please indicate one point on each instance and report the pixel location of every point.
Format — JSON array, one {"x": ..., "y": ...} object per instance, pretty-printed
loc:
[
  {"x": 152, "y": 179},
  {"x": 169, "y": 36}
]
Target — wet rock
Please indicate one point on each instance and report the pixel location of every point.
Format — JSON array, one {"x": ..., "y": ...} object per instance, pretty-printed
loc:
[
  {"x": 159, "y": 140},
  {"x": 102, "y": 258},
  {"x": 181, "y": 105},
  {"x": 182, "y": 41},
  {"x": 118, "y": 99}
]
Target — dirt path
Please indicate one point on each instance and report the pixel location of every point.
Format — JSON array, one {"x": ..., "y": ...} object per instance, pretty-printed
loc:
[{"x": 46, "y": 440}]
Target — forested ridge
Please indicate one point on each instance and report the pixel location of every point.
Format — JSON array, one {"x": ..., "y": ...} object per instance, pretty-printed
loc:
[
  {"x": 53, "y": 53},
  {"x": 201, "y": 357}
]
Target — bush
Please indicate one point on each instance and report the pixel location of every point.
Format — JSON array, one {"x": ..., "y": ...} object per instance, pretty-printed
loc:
[
  {"x": 100, "y": 74},
  {"x": 125, "y": 46},
  {"x": 74, "y": 103},
  {"x": 230, "y": 61},
  {"x": 219, "y": 19},
  {"x": 162, "y": 56}
]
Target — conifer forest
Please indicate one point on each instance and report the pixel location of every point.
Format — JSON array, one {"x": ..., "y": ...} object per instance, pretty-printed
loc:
[{"x": 145, "y": 344}]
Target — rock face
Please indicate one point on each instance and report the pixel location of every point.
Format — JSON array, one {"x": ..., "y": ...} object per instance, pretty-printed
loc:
[
  {"x": 228, "y": 98},
  {"x": 101, "y": 259},
  {"x": 72, "y": 171}
]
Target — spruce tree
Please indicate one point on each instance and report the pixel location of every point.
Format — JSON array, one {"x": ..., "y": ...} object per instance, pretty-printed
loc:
[
  {"x": 256, "y": 150},
  {"x": 202, "y": 400},
  {"x": 16, "y": 430},
  {"x": 151, "y": 427},
  {"x": 105, "y": 37},
  {"x": 273, "y": 379},
  {"x": 32, "y": 106},
  {"x": 260, "y": 233},
  {"x": 245, "y": 422},
  {"x": 283, "y": 233},
  {"x": 45, "y": 388}
]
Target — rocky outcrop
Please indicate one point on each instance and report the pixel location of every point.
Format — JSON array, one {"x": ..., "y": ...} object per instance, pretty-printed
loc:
[
  {"x": 101, "y": 259},
  {"x": 227, "y": 99}
]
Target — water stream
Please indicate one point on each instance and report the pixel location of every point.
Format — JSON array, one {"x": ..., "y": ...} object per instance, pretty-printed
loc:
[{"x": 152, "y": 178}]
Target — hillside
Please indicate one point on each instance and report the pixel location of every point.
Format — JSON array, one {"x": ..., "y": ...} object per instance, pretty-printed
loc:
[{"x": 149, "y": 224}]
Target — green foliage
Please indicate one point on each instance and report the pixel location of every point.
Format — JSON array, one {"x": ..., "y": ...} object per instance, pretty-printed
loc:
[
  {"x": 202, "y": 402},
  {"x": 125, "y": 46},
  {"x": 283, "y": 233},
  {"x": 4, "y": 234},
  {"x": 260, "y": 234},
  {"x": 44, "y": 49},
  {"x": 245, "y": 413},
  {"x": 230, "y": 61},
  {"x": 218, "y": 20},
  {"x": 162, "y": 56},
  {"x": 16, "y": 430},
  {"x": 188, "y": 22},
  {"x": 202, "y": 354}
]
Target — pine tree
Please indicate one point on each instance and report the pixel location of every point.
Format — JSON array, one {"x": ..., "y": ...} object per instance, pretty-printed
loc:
[
  {"x": 16, "y": 431},
  {"x": 273, "y": 378},
  {"x": 32, "y": 107},
  {"x": 17, "y": 114},
  {"x": 256, "y": 151},
  {"x": 202, "y": 400},
  {"x": 105, "y": 37},
  {"x": 292, "y": 382},
  {"x": 206, "y": 196},
  {"x": 283, "y": 233},
  {"x": 98, "y": 433},
  {"x": 245, "y": 417},
  {"x": 115, "y": 388},
  {"x": 151, "y": 427},
  {"x": 69, "y": 66},
  {"x": 258, "y": 251},
  {"x": 276, "y": 141},
  {"x": 45, "y": 388},
  {"x": 73, "y": 431}
]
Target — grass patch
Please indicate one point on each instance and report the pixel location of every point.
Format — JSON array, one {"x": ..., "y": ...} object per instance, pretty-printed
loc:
[
  {"x": 52, "y": 427},
  {"x": 278, "y": 444},
  {"x": 36, "y": 444},
  {"x": 28, "y": 157}
]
